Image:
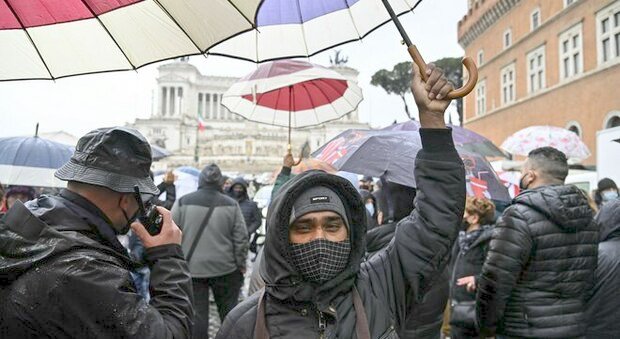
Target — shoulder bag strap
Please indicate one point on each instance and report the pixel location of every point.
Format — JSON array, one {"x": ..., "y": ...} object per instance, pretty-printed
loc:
[{"x": 203, "y": 226}]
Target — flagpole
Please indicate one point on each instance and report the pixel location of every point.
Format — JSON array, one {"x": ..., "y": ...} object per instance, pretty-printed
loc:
[{"x": 196, "y": 147}]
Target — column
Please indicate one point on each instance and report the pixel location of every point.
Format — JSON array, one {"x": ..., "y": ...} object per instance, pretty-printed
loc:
[
  {"x": 180, "y": 101},
  {"x": 171, "y": 101},
  {"x": 220, "y": 107},
  {"x": 164, "y": 102},
  {"x": 200, "y": 109},
  {"x": 212, "y": 113},
  {"x": 216, "y": 106}
]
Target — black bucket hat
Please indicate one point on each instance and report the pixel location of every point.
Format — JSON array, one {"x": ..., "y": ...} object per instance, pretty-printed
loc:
[{"x": 114, "y": 157}]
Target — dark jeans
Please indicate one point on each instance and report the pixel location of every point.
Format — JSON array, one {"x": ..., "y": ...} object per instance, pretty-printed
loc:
[{"x": 225, "y": 289}]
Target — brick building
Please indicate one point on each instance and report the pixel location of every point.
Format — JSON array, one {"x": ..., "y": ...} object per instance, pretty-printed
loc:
[{"x": 543, "y": 62}]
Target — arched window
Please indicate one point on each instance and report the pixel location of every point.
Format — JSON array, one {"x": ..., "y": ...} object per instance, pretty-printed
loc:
[
  {"x": 574, "y": 127},
  {"x": 612, "y": 120}
]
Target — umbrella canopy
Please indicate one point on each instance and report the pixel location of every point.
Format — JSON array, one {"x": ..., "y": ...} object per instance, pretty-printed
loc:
[
  {"x": 392, "y": 155},
  {"x": 159, "y": 153},
  {"x": 185, "y": 181},
  {"x": 44, "y": 39},
  {"x": 464, "y": 138},
  {"x": 292, "y": 93},
  {"x": 292, "y": 28},
  {"x": 528, "y": 139},
  {"x": 32, "y": 161}
]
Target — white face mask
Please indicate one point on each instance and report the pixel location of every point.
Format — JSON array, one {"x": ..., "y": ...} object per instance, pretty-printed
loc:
[
  {"x": 610, "y": 195},
  {"x": 371, "y": 208}
]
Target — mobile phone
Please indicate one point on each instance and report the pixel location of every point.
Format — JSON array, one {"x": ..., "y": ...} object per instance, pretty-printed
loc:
[{"x": 148, "y": 214}]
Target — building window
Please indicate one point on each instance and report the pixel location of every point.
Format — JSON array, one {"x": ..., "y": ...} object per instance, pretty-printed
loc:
[
  {"x": 507, "y": 38},
  {"x": 571, "y": 52},
  {"x": 481, "y": 98},
  {"x": 508, "y": 84},
  {"x": 612, "y": 120},
  {"x": 608, "y": 33},
  {"x": 480, "y": 57},
  {"x": 536, "y": 69},
  {"x": 208, "y": 108},
  {"x": 569, "y": 2},
  {"x": 535, "y": 19},
  {"x": 574, "y": 127}
]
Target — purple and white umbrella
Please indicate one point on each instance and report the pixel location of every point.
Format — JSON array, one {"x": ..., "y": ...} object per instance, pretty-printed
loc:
[
  {"x": 530, "y": 138},
  {"x": 50, "y": 39},
  {"x": 293, "y": 28}
]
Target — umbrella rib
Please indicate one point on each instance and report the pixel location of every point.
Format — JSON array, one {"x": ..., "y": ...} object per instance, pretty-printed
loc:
[
  {"x": 243, "y": 15},
  {"x": 179, "y": 26},
  {"x": 109, "y": 34},
  {"x": 19, "y": 20},
  {"x": 359, "y": 36},
  {"x": 303, "y": 31}
]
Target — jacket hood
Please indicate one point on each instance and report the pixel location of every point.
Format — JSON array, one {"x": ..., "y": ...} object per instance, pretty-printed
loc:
[
  {"x": 47, "y": 227},
  {"x": 608, "y": 219},
  {"x": 239, "y": 181},
  {"x": 282, "y": 280},
  {"x": 565, "y": 205}
]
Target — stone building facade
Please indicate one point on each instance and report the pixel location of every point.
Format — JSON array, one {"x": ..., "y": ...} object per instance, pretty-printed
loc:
[
  {"x": 183, "y": 94},
  {"x": 543, "y": 62}
]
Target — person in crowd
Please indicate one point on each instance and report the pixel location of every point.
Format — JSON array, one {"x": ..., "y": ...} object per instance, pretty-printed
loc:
[
  {"x": 167, "y": 186},
  {"x": 63, "y": 273},
  {"x": 468, "y": 255},
  {"x": 606, "y": 191},
  {"x": 251, "y": 214},
  {"x": 602, "y": 310},
  {"x": 215, "y": 243},
  {"x": 15, "y": 193},
  {"x": 366, "y": 183},
  {"x": 541, "y": 259},
  {"x": 371, "y": 208},
  {"x": 226, "y": 183},
  {"x": 316, "y": 284},
  {"x": 425, "y": 317}
]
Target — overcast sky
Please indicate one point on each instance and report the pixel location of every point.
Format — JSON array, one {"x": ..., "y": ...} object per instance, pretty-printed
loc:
[{"x": 80, "y": 104}]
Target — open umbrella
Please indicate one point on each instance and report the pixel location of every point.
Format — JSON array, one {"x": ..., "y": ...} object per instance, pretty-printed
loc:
[
  {"x": 44, "y": 39},
  {"x": 293, "y": 28},
  {"x": 391, "y": 155},
  {"x": 185, "y": 180},
  {"x": 159, "y": 153},
  {"x": 530, "y": 138},
  {"x": 293, "y": 94},
  {"x": 463, "y": 138},
  {"x": 32, "y": 161}
]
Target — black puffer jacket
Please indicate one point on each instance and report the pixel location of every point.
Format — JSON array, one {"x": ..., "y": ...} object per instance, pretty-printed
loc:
[
  {"x": 604, "y": 306},
  {"x": 63, "y": 274},
  {"x": 251, "y": 213},
  {"x": 540, "y": 266},
  {"x": 407, "y": 267}
]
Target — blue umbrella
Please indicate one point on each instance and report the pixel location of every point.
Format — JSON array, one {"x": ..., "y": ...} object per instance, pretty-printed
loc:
[
  {"x": 159, "y": 153},
  {"x": 392, "y": 155},
  {"x": 32, "y": 161}
]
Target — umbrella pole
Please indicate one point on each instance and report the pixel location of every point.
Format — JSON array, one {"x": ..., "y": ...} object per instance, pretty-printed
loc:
[{"x": 417, "y": 58}]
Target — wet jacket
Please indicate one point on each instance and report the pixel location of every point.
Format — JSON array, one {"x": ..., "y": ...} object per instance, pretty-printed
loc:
[
  {"x": 604, "y": 306},
  {"x": 249, "y": 209},
  {"x": 540, "y": 266},
  {"x": 223, "y": 245},
  {"x": 387, "y": 283},
  {"x": 65, "y": 275}
]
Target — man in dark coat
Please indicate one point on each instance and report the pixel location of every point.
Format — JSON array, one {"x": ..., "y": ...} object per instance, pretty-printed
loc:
[
  {"x": 542, "y": 256},
  {"x": 604, "y": 305},
  {"x": 63, "y": 273},
  {"x": 316, "y": 284},
  {"x": 251, "y": 214}
]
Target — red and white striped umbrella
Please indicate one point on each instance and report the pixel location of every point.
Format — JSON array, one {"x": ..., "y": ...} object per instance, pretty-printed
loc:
[
  {"x": 50, "y": 39},
  {"x": 294, "y": 94}
]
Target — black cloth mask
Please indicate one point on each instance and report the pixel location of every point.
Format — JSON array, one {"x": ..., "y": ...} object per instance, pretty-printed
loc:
[
  {"x": 321, "y": 260},
  {"x": 130, "y": 220}
]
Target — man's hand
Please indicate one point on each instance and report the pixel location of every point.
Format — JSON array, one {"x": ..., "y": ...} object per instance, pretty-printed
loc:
[
  {"x": 288, "y": 161},
  {"x": 469, "y": 282},
  {"x": 170, "y": 232},
  {"x": 430, "y": 95}
]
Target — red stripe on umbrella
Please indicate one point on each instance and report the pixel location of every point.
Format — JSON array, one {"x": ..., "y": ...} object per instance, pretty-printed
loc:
[
  {"x": 34, "y": 13},
  {"x": 306, "y": 95}
]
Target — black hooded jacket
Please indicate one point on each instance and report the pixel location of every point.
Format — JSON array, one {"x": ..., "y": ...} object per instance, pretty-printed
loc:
[
  {"x": 604, "y": 307},
  {"x": 388, "y": 283},
  {"x": 251, "y": 213},
  {"x": 540, "y": 266},
  {"x": 63, "y": 274}
]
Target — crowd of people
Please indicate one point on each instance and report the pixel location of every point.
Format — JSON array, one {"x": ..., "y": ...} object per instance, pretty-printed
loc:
[{"x": 339, "y": 260}]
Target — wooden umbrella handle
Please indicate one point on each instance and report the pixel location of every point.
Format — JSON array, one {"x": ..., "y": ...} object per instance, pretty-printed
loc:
[{"x": 469, "y": 64}]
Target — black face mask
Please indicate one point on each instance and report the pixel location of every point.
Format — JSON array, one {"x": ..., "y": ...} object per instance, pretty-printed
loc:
[
  {"x": 238, "y": 194},
  {"x": 130, "y": 220},
  {"x": 321, "y": 260}
]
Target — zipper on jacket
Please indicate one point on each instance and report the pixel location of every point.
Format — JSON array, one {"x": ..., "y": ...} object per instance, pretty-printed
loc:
[{"x": 322, "y": 325}]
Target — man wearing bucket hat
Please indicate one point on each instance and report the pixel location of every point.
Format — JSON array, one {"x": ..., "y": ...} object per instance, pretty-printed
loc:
[{"x": 63, "y": 273}]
